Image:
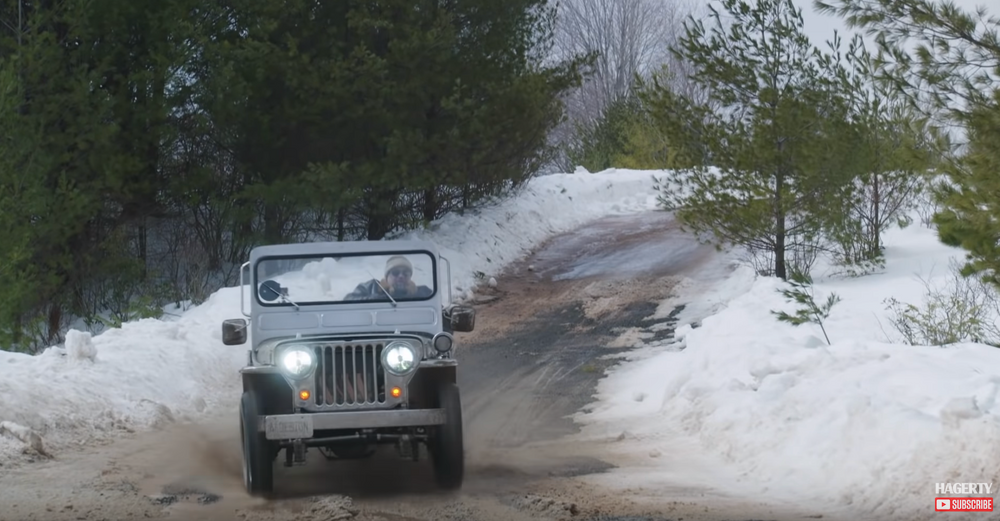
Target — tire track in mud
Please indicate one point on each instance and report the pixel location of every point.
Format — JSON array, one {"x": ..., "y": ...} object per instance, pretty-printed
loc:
[
  {"x": 545, "y": 369},
  {"x": 535, "y": 358},
  {"x": 538, "y": 350},
  {"x": 537, "y": 355}
]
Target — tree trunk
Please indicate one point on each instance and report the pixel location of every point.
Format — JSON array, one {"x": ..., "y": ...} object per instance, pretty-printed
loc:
[
  {"x": 142, "y": 232},
  {"x": 340, "y": 224},
  {"x": 430, "y": 204},
  {"x": 381, "y": 219},
  {"x": 54, "y": 335},
  {"x": 875, "y": 237},
  {"x": 779, "y": 228},
  {"x": 272, "y": 224},
  {"x": 378, "y": 226}
]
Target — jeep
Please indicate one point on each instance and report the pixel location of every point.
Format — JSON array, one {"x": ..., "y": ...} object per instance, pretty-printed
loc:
[{"x": 352, "y": 347}]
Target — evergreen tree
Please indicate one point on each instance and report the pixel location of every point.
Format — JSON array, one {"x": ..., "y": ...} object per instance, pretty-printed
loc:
[
  {"x": 88, "y": 131},
  {"x": 893, "y": 148},
  {"x": 970, "y": 218},
  {"x": 602, "y": 144},
  {"x": 772, "y": 150},
  {"x": 20, "y": 200},
  {"x": 391, "y": 112},
  {"x": 243, "y": 122},
  {"x": 951, "y": 76}
]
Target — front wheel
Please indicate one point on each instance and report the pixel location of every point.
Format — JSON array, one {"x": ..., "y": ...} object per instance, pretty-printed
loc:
[
  {"x": 258, "y": 460},
  {"x": 448, "y": 450}
]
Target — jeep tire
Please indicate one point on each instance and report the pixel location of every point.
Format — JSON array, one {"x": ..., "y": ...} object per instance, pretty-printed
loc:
[
  {"x": 447, "y": 449},
  {"x": 258, "y": 459}
]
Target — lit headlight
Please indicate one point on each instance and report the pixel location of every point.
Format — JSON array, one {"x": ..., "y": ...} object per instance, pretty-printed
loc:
[
  {"x": 399, "y": 358},
  {"x": 297, "y": 362}
]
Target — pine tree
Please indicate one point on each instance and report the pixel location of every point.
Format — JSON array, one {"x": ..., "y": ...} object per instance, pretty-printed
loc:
[
  {"x": 808, "y": 311},
  {"x": 602, "y": 144},
  {"x": 391, "y": 112},
  {"x": 250, "y": 122},
  {"x": 950, "y": 76},
  {"x": 893, "y": 153},
  {"x": 770, "y": 149},
  {"x": 970, "y": 218},
  {"x": 83, "y": 168}
]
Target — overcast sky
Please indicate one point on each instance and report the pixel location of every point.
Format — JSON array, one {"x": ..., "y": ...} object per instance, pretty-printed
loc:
[{"x": 819, "y": 27}]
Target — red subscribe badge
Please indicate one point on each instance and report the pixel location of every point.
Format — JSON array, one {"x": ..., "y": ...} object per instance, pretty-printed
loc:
[{"x": 963, "y": 504}]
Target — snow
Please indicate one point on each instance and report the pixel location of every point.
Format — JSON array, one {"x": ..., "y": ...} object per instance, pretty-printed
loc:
[
  {"x": 151, "y": 372},
  {"x": 479, "y": 244},
  {"x": 79, "y": 346},
  {"x": 142, "y": 375},
  {"x": 863, "y": 424},
  {"x": 737, "y": 401}
]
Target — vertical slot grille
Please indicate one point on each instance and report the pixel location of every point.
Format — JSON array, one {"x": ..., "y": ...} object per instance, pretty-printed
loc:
[{"x": 350, "y": 375}]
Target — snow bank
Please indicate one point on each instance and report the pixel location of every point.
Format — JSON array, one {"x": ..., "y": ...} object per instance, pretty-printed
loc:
[
  {"x": 480, "y": 244},
  {"x": 862, "y": 425},
  {"x": 150, "y": 371},
  {"x": 143, "y": 375}
]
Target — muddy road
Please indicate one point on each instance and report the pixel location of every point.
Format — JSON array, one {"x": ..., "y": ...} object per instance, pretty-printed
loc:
[{"x": 535, "y": 358}]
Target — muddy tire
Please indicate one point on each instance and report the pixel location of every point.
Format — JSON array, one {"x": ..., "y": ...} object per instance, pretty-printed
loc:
[
  {"x": 447, "y": 449},
  {"x": 258, "y": 457}
]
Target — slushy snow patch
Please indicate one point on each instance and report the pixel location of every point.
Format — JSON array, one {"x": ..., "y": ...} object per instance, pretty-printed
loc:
[
  {"x": 864, "y": 424},
  {"x": 28, "y": 437},
  {"x": 149, "y": 373}
]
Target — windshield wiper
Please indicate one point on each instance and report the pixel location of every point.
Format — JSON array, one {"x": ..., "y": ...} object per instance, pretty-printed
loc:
[
  {"x": 379, "y": 284},
  {"x": 284, "y": 298}
]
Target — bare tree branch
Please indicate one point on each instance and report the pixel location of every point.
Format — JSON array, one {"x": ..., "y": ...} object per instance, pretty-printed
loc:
[{"x": 630, "y": 37}]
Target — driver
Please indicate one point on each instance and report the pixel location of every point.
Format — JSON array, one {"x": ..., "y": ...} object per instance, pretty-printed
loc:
[{"x": 397, "y": 281}]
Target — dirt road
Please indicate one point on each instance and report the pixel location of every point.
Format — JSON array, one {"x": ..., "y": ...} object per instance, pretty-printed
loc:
[{"x": 535, "y": 358}]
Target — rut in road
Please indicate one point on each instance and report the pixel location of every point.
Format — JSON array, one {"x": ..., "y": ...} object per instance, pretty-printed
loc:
[{"x": 535, "y": 358}]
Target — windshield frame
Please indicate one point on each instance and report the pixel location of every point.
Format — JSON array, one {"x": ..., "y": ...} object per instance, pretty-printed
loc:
[{"x": 256, "y": 280}]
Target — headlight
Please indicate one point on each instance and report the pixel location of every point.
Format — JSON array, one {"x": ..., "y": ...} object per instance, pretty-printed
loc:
[
  {"x": 443, "y": 342},
  {"x": 298, "y": 362},
  {"x": 399, "y": 358}
]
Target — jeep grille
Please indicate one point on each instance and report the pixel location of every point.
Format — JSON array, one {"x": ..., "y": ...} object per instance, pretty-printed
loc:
[{"x": 350, "y": 375}]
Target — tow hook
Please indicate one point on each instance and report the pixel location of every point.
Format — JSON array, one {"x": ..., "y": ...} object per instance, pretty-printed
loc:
[
  {"x": 408, "y": 447},
  {"x": 296, "y": 454}
]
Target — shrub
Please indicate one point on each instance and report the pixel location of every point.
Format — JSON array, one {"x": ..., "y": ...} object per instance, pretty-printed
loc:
[
  {"x": 963, "y": 309},
  {"x": 809, "y": 311}
]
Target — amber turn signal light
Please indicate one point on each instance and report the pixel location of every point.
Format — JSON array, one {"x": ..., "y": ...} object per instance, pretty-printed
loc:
[
  {"x": 396, "y": 392},
  {"x": 304, "y": 395}
]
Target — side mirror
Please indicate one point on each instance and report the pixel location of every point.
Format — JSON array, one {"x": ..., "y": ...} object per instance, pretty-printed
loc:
[
  {"x": 463, "y": 319},
  {"x": 269, "y": 290},
  {"x": 234, "y": 332}
]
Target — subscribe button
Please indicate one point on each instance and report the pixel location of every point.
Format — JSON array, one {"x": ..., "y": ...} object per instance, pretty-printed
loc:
[{"x": 963, "y": 504}]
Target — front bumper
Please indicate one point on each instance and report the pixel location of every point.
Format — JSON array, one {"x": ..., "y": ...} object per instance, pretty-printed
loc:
[{"x": 302, "y": 426}]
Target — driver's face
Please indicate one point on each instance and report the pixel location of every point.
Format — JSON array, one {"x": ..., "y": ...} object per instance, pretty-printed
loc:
[{"x": 399, "y": 278}]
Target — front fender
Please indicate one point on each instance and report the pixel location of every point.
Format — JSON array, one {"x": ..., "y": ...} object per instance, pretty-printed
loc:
[
  {"x": 423, "y": 388},
  {"x": 274, "y": 395}
]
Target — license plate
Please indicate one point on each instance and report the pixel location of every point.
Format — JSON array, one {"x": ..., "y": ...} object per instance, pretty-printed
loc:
[{"x": 288, "y": 427}]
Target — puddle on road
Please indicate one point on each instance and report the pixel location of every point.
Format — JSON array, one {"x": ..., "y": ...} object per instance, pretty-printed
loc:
[
  {"x": 646, "y": 244},
  {"x": 633, "y": 260}
]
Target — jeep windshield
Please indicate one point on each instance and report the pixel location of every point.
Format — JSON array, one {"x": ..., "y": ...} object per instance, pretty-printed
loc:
[{"x": 296, "y": 281}]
